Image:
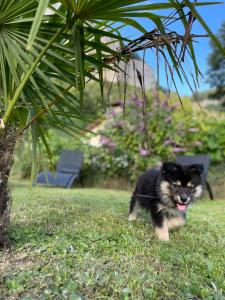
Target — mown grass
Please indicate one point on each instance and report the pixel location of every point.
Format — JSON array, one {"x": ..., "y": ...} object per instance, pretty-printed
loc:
[{"x": 78, "y": 244}]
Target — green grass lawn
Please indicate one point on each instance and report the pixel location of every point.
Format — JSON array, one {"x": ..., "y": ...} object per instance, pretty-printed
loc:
[{"x": 78, "y": 244}]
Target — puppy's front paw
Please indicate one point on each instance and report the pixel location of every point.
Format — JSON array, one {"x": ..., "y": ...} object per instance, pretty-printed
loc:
[
  {"x": 162, "y": 234},
  {"x": 175, "y": 222},
  {"x": 132, "y": 217}
]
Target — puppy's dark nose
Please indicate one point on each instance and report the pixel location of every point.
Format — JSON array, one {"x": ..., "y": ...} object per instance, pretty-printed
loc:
[{"x": 184, "y": 198}]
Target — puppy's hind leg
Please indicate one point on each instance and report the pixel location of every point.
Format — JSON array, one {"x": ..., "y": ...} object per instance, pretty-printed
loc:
[{"x": 134, "y": 207}]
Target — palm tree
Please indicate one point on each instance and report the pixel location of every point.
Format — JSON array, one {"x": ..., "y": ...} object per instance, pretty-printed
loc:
[{"x": 46, "y": 60}]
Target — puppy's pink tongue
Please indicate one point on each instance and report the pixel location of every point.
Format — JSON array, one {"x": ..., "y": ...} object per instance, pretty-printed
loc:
[{"x": 181, "y": 207}]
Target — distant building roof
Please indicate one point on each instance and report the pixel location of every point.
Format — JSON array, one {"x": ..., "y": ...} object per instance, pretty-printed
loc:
[
  {"x": 130, "y": 74},
  {"x": 130, "y": 70}
]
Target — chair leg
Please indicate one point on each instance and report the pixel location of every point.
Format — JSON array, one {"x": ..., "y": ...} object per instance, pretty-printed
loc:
[
  {"x": 209, "y": 190},
  {"x": 81, "y": 182}
]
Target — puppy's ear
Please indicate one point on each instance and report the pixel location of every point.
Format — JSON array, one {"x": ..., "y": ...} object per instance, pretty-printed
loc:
[
  {"x": 170, "y": 167},
  {"x": 196, "y": 169}
]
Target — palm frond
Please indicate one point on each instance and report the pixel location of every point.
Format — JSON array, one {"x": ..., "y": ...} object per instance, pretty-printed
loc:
[{"x": 37, "y": 22}]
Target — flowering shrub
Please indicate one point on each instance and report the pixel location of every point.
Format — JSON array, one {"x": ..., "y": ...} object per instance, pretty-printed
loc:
[
  {"x": 147, "y": 135},
  {"x": 140, "y": 139},
  {"x": 142, "y": 135}
]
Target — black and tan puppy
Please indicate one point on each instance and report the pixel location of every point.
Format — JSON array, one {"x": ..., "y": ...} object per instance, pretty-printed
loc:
[{"x": 166, "y": 193}]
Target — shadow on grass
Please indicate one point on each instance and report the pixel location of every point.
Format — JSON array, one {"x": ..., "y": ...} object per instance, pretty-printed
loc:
[
  {"x": 41, "y": 230},
  {"x": 20, "y": 235},
  {"x": 16, "y": 184}
]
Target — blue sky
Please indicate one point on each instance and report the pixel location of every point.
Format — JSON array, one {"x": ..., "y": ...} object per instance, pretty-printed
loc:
[{"x": 214, "y": 15}]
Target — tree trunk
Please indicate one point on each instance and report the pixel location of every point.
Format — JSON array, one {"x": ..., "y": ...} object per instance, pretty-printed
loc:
[{"x": 7, "y": 145}]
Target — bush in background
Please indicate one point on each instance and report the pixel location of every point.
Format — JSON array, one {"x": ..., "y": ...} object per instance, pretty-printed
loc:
[{"x": 139, "y": 136}]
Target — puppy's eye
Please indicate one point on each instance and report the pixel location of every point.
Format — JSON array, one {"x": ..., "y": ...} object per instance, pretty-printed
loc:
[
  {"x": 175, "y": 184},
  {"x": 190, "y": 187}
]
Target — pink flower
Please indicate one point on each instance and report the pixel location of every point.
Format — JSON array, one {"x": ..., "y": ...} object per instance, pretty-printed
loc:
[
  {"x": 112, "y": 146},
  {"x": 198, "y": 143},
  {"x": 105, "y": 141},
  {"x": 141, "y": 127},
  {"x": 174, "y": 106},
  {"x": 168, "y": 142},
  {"x": 168, "y": 120},
  {"x": 138, "y": 102},
  {"x": 143, "y": 152},
  {"x": 179, "y": 149},
  {"x": 112, "y": 113},
  {"x": 165, "y": 105}
]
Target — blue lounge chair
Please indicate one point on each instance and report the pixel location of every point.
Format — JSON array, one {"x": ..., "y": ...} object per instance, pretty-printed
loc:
[
  {"x": 67, "y": 170},
  {"x": 198, "y": 159}
]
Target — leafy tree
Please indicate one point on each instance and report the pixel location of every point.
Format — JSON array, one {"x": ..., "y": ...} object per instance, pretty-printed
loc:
[
  {"x": 46, "y": 61},
  {"x": 216, "y": 75}
]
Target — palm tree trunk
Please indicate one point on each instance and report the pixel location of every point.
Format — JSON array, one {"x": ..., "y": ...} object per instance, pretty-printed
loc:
[{"x": 7, "y": 145}]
